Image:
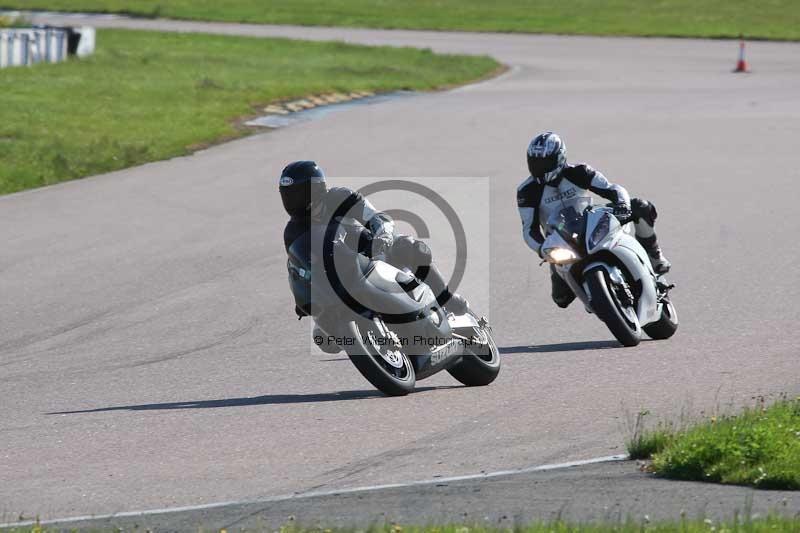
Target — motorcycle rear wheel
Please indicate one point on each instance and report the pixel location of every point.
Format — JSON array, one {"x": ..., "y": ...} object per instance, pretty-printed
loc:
[
  {"x": 367, "y": 357},
  {"x": 609, "y": 309}
]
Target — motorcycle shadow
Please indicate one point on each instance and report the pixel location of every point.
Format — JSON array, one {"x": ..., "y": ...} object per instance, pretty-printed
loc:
[
  {"x": 560, "y": 347},
  {"x": 268, "y": 399}
]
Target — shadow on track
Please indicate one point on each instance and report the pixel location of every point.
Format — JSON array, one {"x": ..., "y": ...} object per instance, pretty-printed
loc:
[
  {"x": 270, "y": 399},
  {"x": 561, "y": 347}
]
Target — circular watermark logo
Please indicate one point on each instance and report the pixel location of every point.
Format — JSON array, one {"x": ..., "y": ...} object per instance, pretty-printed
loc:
[{"x": 334, "y": 236}]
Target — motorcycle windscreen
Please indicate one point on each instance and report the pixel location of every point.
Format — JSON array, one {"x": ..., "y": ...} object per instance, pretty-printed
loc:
[{"x": 569, "y": 220}]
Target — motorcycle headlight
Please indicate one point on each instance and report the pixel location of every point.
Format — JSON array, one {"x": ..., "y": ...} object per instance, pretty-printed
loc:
[
  {"x": 600, "y": 231},
  {"x": 560, "y": 255}
]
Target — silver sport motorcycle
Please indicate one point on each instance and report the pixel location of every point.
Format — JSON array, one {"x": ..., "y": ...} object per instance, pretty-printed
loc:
[
  {"x": 598, "y": 256},
  {"x": 387, "y": 320}
]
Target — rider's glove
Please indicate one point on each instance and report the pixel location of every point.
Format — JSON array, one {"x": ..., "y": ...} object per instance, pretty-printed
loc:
[
  {"x": 622, "y": 211},
  {"x": 336, "y": 243},
  {"x": 380, "y": 246}
]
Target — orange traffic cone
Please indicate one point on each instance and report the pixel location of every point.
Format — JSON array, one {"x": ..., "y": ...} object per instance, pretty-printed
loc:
[{"x": 741, "y": 65}]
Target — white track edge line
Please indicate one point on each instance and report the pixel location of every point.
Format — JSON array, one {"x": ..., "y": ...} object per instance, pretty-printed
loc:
[{"x": 315, "y": 494}]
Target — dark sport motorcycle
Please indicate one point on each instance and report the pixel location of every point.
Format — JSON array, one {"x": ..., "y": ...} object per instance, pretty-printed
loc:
[{"x": 387, "y": 320}]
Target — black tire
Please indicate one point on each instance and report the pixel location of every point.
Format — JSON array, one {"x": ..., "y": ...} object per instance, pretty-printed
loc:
[
  {"x": 479, "y": 367},
  {"x": 666, "y": 326},
  {"x": 608, "y": 309},
  {"x": 367, "y": 359}
]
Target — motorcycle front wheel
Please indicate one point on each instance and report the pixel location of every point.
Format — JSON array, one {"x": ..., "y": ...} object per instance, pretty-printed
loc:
[
  {"x": 620, "y": 319},
  {"x": 384, "y": 365},
  {"x": 480, "y": 365},
  {"x": 666, "y": 326}
]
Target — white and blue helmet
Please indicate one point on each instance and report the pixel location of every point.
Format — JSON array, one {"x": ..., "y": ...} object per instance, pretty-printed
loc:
[{"x": 547, "y": 156}]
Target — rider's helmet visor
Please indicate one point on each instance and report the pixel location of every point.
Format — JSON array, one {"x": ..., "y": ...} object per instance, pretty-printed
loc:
[{"x": 539, "y": 166}]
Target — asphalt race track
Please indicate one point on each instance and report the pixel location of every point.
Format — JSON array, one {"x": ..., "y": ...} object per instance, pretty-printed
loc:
[
  {"x": 608, "y": 492},
  {"x": 149, "y": 354}
]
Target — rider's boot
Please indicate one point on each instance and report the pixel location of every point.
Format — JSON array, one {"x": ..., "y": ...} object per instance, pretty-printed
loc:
[
  {"x": 451, "y": 301},
  {"x": 644, "y": 217},
  {"x": 457, "y": 304},
  {"x": 660, "y": 263},
  {"x": 416, "y": 255}
]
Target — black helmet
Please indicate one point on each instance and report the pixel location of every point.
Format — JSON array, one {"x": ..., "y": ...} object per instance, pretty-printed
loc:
[
  {"x": 301, "y": 182},
  {"x": 547, "y": 156}
]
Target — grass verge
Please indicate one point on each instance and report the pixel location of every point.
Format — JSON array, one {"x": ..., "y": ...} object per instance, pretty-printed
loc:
[
  {"x": 146, "y": 96},
  {"x": 772, "y": 524},
  {"x": 12, "y": 22},
  {"x": 758, "y": 447},
  {"x": 768, "y": 19}
]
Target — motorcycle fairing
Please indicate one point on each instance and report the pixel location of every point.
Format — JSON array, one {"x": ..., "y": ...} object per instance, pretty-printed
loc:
[
  {"x": 620, "y": 242},
  {"x": 631, "y": 254}
]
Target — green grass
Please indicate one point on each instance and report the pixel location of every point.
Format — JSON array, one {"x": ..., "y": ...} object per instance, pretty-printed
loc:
[
  {"x": 644, "y": 441},
  {"x": 13, "y": 22},
  {"x": 770, "y": 19},
  {"x": 772, "y": 524},
  {"x": 758, "y": 447},
  {"x": 644, "y": 445},
  {"x": 146, "y": 96}
]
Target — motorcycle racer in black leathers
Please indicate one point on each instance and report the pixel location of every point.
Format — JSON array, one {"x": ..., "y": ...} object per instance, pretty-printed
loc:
[
  {"x": 308, "y": 201},
  {"x": 552, "y": 180}
]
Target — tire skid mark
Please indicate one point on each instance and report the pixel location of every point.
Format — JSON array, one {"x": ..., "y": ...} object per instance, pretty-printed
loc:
[
  {"x": 343, "y": 473},
  {"x": 29, "y": 340},
  {"x": 34, "y": 338},
  {"x": 224, "y": 338}
]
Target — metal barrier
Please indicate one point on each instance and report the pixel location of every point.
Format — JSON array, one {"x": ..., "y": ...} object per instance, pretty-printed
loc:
[{"x": 26, "y": 46}]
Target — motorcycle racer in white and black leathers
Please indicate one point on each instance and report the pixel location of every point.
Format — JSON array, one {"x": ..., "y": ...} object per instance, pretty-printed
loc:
[
  {"x": 552, "y": 180},
  {"x": 307, "y": 200}
]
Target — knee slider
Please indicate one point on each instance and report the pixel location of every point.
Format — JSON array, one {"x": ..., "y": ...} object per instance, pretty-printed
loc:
[
  {"x": 643, "y": 210},
  {"x": 410, "y": 251}
]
